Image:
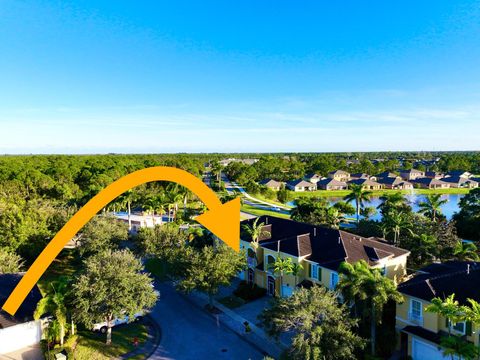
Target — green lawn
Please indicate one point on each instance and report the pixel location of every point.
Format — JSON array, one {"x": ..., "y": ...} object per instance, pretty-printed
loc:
[
  {"x": 64, "y": 265},
  {"x": 274, "y": 202},
  {"x": 87, "y": 345},
  {"x": 259, "y": 212},
  {"x": 342, "y": 193},
  {"x": 231, "y": 302}
]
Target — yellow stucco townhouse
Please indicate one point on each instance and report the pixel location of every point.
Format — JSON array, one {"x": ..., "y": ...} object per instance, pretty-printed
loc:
[
  {"x": 319, "y": 250},
  {"x": 420, "y": 331}
]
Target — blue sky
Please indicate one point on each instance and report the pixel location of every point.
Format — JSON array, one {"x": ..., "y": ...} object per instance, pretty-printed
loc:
[{"x": 184, "y": 76}]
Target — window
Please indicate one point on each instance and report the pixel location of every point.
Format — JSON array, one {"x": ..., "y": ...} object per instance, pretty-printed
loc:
[
  {"x": 270, "y": 263},
  {"x": 459, "y": 327},
  {"x": 315, "y": 272},
  {"x": 415, "y": 310},
  {"x": 333, "y": 280}
]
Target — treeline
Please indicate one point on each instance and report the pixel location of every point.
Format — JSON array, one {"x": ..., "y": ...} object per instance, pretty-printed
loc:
[{"x": 284, "y": 167}]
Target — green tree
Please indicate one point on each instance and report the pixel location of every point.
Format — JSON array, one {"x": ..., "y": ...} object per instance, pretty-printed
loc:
[
  {"x": 467, "y": 220},
  {"x": 209, "y": 268},
  {"x": 448, "y": 308},
  {"x": 359, "y": 196},
  {"x": 395, "y": 222},
  {"x": 321, "y": 326},
  {"x": 101, "y": 233},
  {"x": 112, "y": 285},
  {"x": 432, "y": 206},
  {"x": 282, "y": 194},
  {"x": 466, "y": 251},
  {"x": 393, "y": 202},
  {"x": 361, "y": 284},
  {"x": 9, "y": 262},
  {"x": 456, "y": 347}
]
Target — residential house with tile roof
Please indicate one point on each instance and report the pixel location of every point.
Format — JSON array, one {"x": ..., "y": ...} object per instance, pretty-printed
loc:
[
  {"x": 367, "y": 184},
  {"x": 339, "y": 175},
  {"x": 313, "y": 178},
  {"x": 318, "y": 249},
  {"x": 300, "y": 185},
  {"x": 331, "y": 184},
  {"x": 420, "y": 331},
  {"x": 395, "y": 183},
  {"x": 411, "y": 174},
  {"x": 460, "y": 182},
  {"x": 271, "y": 184},
  {"x": 429, "y": 183}
]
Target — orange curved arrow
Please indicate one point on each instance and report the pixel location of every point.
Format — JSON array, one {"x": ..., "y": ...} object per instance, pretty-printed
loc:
[{"x": 221, "y": 219}]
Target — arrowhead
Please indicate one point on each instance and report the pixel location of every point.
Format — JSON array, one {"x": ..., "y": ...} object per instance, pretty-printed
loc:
[{"x": 224, "y": 222}]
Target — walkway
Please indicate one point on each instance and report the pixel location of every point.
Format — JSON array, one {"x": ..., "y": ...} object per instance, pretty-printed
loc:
[{"x": 151, "y": 344}]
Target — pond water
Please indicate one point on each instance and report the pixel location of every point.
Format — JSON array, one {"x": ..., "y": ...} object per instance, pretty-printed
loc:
[{"x": 448, "y": 209}]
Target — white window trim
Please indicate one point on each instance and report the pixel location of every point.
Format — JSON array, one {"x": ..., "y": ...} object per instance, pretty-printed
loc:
[
  {"x": 411, "y": 310},
  {"x": 459, "y": 332}
]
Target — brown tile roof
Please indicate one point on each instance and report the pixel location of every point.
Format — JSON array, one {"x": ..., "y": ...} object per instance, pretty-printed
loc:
[{"x": 327, "y": 247}]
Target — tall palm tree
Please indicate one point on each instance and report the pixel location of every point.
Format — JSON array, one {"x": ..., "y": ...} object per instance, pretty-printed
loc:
[
  {"x": 282, "y": 266},
  {"x": 359, "y": 195},
  {"x": 361, "y": 284},
  {"x": 395, "y": 223},
  {"x": 126, "y": 200},
  {"x": 255, "y": 231},
  {"x": 394, "y": 201},
  {"x": 54, "y": 303},
  {"x": 173, "y": 198},
  {"x": 466, "y": 251},
  {"x": 334, "y": 217},
  {"x": 432, "y": 206}
]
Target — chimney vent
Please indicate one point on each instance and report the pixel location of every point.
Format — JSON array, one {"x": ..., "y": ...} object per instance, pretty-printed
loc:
[
  {"x": 314, "y": 231},
  {"x": 266, "y": 220},
  {"x": 468, "y": 269}
]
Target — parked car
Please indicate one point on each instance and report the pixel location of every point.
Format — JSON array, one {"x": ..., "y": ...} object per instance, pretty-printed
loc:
[{"x": 102, "y": 327}]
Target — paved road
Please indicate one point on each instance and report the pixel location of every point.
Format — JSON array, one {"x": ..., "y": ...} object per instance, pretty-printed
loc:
[{"x": 189, "y": 333}]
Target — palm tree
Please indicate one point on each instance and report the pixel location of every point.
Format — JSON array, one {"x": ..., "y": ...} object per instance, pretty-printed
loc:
[
  {"x": 255, "y": 231},
  {"x": 432, "y": 206},
  {"x": 173, "y": 198},
  {"x": 296, "y": 270},
  {"x": 448, "y": 308},
  {"x": 282, "y": 266},
  {"x": 360, "y": 283},
  {"x": 334, "y": 217},
  {"x": 395, "y": 223},
  {"x": 466, "y": 251},
  {"x": 54, "y": 303},
  {"x": 394, "y": 201},
  {"x": 126, "y": 200},
  {"x": 358, "y": 195}
]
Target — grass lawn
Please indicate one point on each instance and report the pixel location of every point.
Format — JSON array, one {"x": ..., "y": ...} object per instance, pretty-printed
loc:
[
  {"x": 64, "y": 265},
  {"x": 231, "y": 302},
  {"x": 342, "y": 193},
  {"x": 91, "y": 345},
  {"x": 274, "y": 202},
  {"x": 259, "y": 212}
]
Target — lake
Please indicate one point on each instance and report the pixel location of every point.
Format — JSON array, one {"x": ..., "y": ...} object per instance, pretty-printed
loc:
[{"x": 448, "y": 209}]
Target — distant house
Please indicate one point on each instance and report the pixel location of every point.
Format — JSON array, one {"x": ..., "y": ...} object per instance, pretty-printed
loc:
[
  {"x": 362, "y": 176},
  {"x": 332, "y": 184},
  {"x": 367, "y": 184},
  {"x": 428, "y": 183},
  {"x": 226, "y": 162},
  {"x": 300, "y": 185},
  {"x": 395, "y": 183},
  {"x": 313, "y": 178},
  {"x": 386, "y": 174},
  {"x": 411, "y": 174},
  {"x": 460, "y": 182},
  {"x": 339, "y": 175},
  {"x": 139, "y": 220},
  {"x": 319, "y": 250},
  {"x": 434, "y": 174},
  {"x": 271, "y": 184},
  {"x": 19, "y": 331},
  {"x": 420, "y": 330},
  {"x": 459, "y": 173}
]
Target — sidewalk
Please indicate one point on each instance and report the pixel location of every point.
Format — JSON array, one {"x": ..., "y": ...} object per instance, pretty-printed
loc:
[{"x": 235, "y": 322}]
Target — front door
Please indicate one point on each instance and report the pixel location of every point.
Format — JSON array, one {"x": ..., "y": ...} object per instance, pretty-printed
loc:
[
  {"x": 251, "y": 276},
  {"x": 271, "y": 286}
]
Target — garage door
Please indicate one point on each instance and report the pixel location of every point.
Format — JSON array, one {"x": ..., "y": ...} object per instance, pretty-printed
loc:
[
  {"x": 19, "y": 336},
  {"x": 425, "y": 351}
]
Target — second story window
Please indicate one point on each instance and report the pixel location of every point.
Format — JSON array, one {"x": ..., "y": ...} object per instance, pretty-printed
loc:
[
  {"x": 333, "y": 280},
  {"x": 459, "y": 327},
  {"x": 415, "y": 313},
  {"x": 315, "y": 272}
]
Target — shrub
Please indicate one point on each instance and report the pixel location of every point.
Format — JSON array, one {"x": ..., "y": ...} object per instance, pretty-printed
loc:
[{"x": 248, "y": 292}]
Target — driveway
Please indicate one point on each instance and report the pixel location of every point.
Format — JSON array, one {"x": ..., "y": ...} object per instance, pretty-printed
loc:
[
  {"x": 29, "y": 353},
  {"x": 189, "y": 333}
]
